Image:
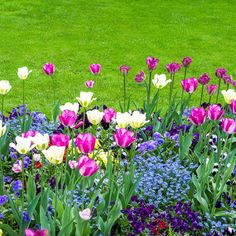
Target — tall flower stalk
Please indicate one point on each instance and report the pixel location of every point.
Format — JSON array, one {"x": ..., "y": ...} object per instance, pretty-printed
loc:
[
  {"x": 220, "y": 73},
  {"x": 124, "y": 71}
]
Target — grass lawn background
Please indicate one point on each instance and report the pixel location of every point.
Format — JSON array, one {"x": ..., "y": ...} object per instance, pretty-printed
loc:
[{"x": 74, "y": 34}]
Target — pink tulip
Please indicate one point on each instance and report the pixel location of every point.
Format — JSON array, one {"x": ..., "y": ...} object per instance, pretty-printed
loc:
[
  {"x": 85, "y": 142},
  {"x": 60, "y": 140},
  {"x": 79, "y": 124},
  {"x": 30, "y": 133},
  {"x": 109, "y": 115},
  {"x": 17, "y": 167},
  {"x": 228, "y": 125},
  {"x": 152, "y": 63},
  {"x": 72, "y": 164},
  {"x": 85, "y": 214},
  {"x": 220, "y": 72},
  {"x": 124, "y": 69},
  {"x": 31, "y": 232},
  {"x": 227, "y": 79},
  {"x": 124, "y": 137},
  {"x": 215, "y": 112},
  {"x": 49, "y": 68},
  {"x": 189, "y": 85},
  {"x": 204, "y": 79},
  {"x": 89, "y": 83},
  {"x": 186, "y": 61},
  {"x": 87, "y": 166},
  {"x": 233, "y": 106},
  {"x": 172, "y": 68},
  {"x": 140, "y": 77},
  {"x": 68, "y": 118},
  {"x": 198, "y": 116},
  {"x": 211, "y": 89},
  {"x": 95, "y": 68}
]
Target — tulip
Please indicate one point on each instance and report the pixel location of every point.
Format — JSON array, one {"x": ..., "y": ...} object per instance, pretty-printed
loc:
[
  {"x": 17, "y": 167},
  {"x": 232, "y": 105},
  {"x": 109, "y": 115},
  {"x": 85, "y": 142},
  {"x": 72, "y": 164},
  {"x": 189, "y": 85},
  {"x": 87, "y": 166},
  {"x": 124, "y": 69},
  {"x": 228, "y": 125},
  {"x": 49, "y": 68},
  {"x": 5, "y": 87},
  {"x": 186, "y": 61},
  {"x": 95, "y": 68},
  {"x": 23, "y": 73},
  {"x": 68, "y": 118},
  {"x": 2, "y": 129},
  {"x": 138, "y": 120},
  {"x": 172, "y": 68},
  {"x": 215, "y": 112},
  {"x": 85, "y": 99},
  {"x": 227, "y": 79},
  {"x": 70, "y": 106},
  {"x": 41, "y": 141},
  {"x": 123, "y": 119},
  {"x": 23, "y": 145},
  {"x": 95, "y": 116},
  {"x": 198, "y": 116},
  {"x": 60, "y": 140},
  {"x": 140, "y": 77},
  {"x": 160, "y": 81},
  {"x": 229, "y": 95},
  {"x": 220, "y": 72},
  {"x": 54, "y": 154},
  {"x": 204, "y": 79},
  {"x": 39, "y": 232},
  {"x": 29, "y": 134},
  {"x": 89, "y": 83},
  {"x": 124, "y": 137},
  {"x": 211, "y": 89},
  {"x": 85, "y": 214},
  {"x": 152, "y": 63}
]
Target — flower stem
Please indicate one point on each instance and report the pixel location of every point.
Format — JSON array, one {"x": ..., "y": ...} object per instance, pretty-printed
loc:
[
  {"x": 209, "y": 99},
  {"x": 22, "y": 180},
  {"x": 124, "y": 91},
  {"x": 185, "y": 72},
  {"x": 23, "y": 94},
  {"x": 217, "y": 96},
  {"x": 149, "y": 89},
  {"x": 84, "y": 115},
  {"x": 54, "y": 92},
  {"x": 201, "y": 95},
  {"x": 2, "y": 107}
]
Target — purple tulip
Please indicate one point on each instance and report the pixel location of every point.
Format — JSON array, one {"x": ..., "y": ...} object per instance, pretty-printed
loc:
[
  {"x": 215, "y": 112},
  {"x": 39, "y": 232},
  {"x": 124, "y": 137},
  {"x": 189, "y": 85},
  {"x": 227, "y": 79},
  {"x": 233, "y": 83},
  {"x": 220, "y": 72},
  {"x": 109, "y": 115},
  {"x": 68, "y": 118},
  {"x": 186, "y": 62},
  {"x": 228, "y": 125},
  {"x": 49, "y": 68},
  {"x": 87, "y": 166},
  {"x": 85, "y": 142},
  {"x": 95, "y": 68},
  {"x": 198, "y": 116},
  {"x": 124, "y": 69},
  {"x": 172, "y": 68},
  {"x": 89, "y": 83},
  {"x": 60, "y": 140},
  {"x": 233, "y": 106},
  {"x": 152, "y": 63},
  {"x": 211, "y": 89},
  {"x": 29, "y": 133},
  {"x": 204, "y": 79},
  {"x": 140, "y": 77}
]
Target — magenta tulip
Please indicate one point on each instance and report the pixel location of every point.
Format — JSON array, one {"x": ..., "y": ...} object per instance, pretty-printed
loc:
[
  {"x": 39, "y": 232},
  {"x": 198, "y": 116},
  {"x": 30, "y": 133},
  {"x": 204, "y": 79},
  {"x": 220, "y": 72},
  {"x": 68, "y": 118},
  {"x": 124, "y": 137},
  {"x": 211, "y": 89},
  {"x": 215, "y": 112},
  {"x": 228, "y": 125},
  {"x": 233, "y": 83},
  {"x": 172, "y": 68},
  {"x": 189, "y": 85},
  {"x": 95, "y": 68},
  {"x": 140, "y": 77},
  {"x": 227, "y": 79},
  {"x": 60, "y": 140},
  {"x": 85, "y": 142},
  {"x": 233, "y": 106},
  {"x": 49, "y": 68},
  {"x": 109, "y": 115},
  {"x": 152, "y": 63},
  {"x": 87, "y": 166},
  {"x": 186, "y": 61},
  {"x": 124, "y": 69},
  {"x": 89, "y": 83}
]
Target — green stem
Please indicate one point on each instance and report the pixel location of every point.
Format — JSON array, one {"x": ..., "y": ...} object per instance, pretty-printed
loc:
[
  {"x": 84, "y": 118},
  {"x": 56, "y": 193},
  {"x": 209, "y": 99},
  {"x": 42, "y": 176},
  {"x": 22, "y": 180},
  {"x": 2, "y": 107},
  {"x": 1, "y": 174},
  {"x": 23, "y": 94},
  {"x": 185, "y": 72},
  {"x": 54, "y": 92},
  {"x": 217, "y": 96},
  {"x": 170, "y": 94},
  {"x": 201, "y": 95},
  {"x": 124, "y": 91}
]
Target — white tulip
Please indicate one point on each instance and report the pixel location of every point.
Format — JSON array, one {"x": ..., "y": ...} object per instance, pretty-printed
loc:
[
  {"x": 160, "y": 81},
  {"x": 70, "y": 106},
  {"x": 85, "y": 98},
  {"x": 2, "y": 129},
  {"x": 5, "y": 87},
  {"x": 23, "y": 145},
  {"x": 41, "y": 141},
  {"x": 229, "y": 95},
  {"x": 54, "y": 154},
  {"x": 23, "y": 72},
  {"x": 123, "y": 119},
  {"x": 138, "y": 120},
  {"x": 95, "y": 116}
]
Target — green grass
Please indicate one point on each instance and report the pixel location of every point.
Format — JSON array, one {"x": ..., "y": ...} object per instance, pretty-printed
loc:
[{"x": 73, "y": 34}]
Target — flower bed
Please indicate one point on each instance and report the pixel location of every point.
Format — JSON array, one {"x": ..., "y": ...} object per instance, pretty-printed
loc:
[{"x": 97, "y": 171}]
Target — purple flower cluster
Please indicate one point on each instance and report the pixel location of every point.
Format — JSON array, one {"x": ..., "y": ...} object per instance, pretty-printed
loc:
[{"x": 3, "y": 199}]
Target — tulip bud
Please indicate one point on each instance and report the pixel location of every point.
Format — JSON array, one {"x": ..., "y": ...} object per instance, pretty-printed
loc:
[
  {"x": 186, "y": 61},
  {"x": 123, "y": 119},
  {"x": 94, "y": 116},
  {"x": 211, "y": 89},
  {"x": 124, "y": 69},
  {"x": 160, "y": 81},
  {"x": 85, "y": 142},
  {"x": 233, "y": 106},
  {"x": 227, "y": 79},
  {"x": 85, "y": 214},
  {"x": 72, "y": 164},
  {"x": 49, "y": 68},
  {"x": 215, "y": 112},
  {"x": 109, "y": 115},
  {"x": 41, "y": 141},
  {"x": 229, "y": 95},
  {"x": 228, "y": 125},
  {"x": 140, "y": 77},
  {"x": 60, "y": 140},
  {"x": 23, "y": 72},
  {"x": 17, "y": 167},
  {"x": 204, "y": 79},
  {"x": 89, "y": 83},
  {"x": 5, "y": 87},
  {"x": 54, "y": 154},
  {"x": 172, "y": 68},
  {"x": 220, "y": 72},
  {"x": 138, "y": 120},
  {"x": 95, "y": 68},
  {"x": 124, "y": 137},
  {"x": 23, "y": 145},
  {"x": 68, "y": 118},
  {"x": 152, "y": 63},
  {"x": 87, "y": 166},
  {"x": 71, "y": 107},
  {"x": 189, "y": 85},
  {"x": 85, "y": 98},
  {"x": 198, "y": 116}
]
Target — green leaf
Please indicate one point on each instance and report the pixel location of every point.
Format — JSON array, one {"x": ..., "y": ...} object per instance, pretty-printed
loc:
[
  {"x": 7, "y": 229},
  {"x": 56, "y": 111},
  {"x": 31, "y": 188},
  {"x": 44, "y": 222}
]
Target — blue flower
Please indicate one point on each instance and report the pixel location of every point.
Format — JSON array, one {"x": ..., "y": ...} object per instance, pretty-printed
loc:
[
  {"x": 17, "y": 186},
  {"x": 3, "y": 199},
  {"x": 25, "y": 216}
]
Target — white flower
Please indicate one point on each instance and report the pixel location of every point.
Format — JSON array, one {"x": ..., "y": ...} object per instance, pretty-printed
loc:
[
  {"x": 2, "y": 129},
  {"x": 5, "y": 87},
  {"x": 160, "y": 81},
  {"x": 85, "y": 214},
  {"x": 54, "y": 154},
  {"x": 138, "y": 120},
  {"x": 229, "y": 95},
  {"x": 85, "y": 98},
  {"x": 95, "y": 116},
  {"x": 36, "y": 157},
  {"x": 70, "y": 106},
  {"x": 23, "y": 145},
  {"x": 41, "y": 141},
  {"x": 23, "y": 72},
  {"x": 123, "y": 119}
]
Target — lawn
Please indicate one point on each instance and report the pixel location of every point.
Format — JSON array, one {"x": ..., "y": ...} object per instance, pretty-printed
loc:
[{"x": 73, "y": 34}]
